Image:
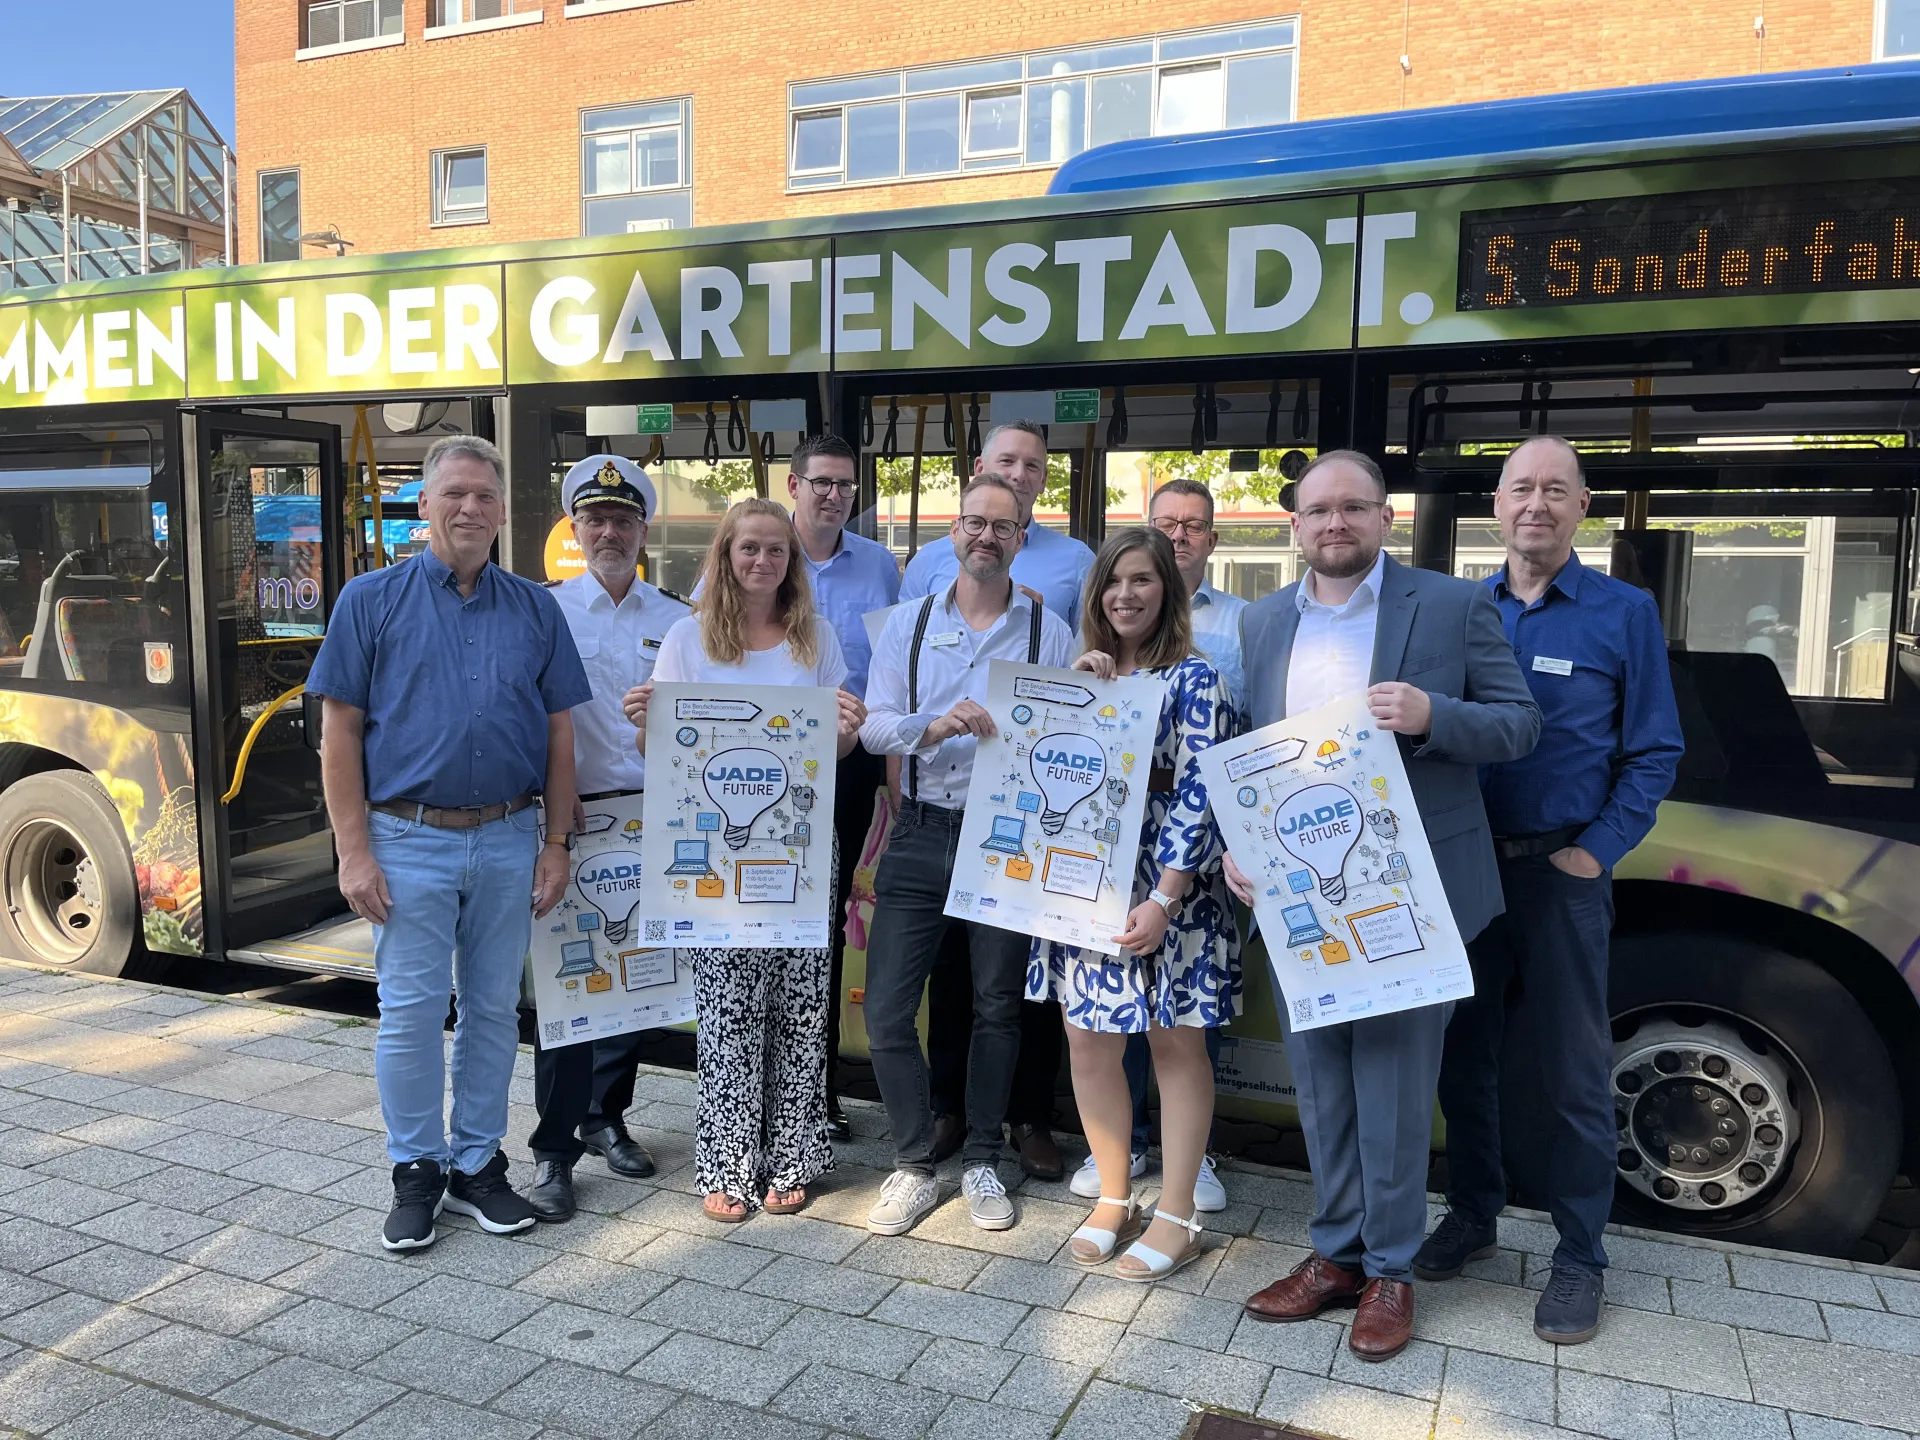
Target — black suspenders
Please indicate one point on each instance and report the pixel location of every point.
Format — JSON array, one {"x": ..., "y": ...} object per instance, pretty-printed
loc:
[{"x": 913, "y": 674}]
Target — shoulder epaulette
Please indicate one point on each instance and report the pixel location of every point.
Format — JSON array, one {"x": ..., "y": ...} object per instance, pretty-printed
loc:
[
  {"x": 551, "y": 584},
  {"x": 674, "y": 595}
]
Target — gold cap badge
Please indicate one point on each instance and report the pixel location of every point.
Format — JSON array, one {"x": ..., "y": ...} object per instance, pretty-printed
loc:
[{"x": 608, "y": 476}]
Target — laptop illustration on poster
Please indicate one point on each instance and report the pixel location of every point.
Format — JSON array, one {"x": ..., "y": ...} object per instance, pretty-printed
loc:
[
  {"x": 689, "y": 858},
  {"x": 1302, "y": 927},
  {"x": 1009, "y": 835}
]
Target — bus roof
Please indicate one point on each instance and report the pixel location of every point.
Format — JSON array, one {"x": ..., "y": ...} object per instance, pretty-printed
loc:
[{"x": 1805, "y": 104}]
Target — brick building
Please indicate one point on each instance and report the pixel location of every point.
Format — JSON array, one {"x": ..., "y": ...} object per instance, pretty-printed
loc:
[{"x": 416, "y": 123}]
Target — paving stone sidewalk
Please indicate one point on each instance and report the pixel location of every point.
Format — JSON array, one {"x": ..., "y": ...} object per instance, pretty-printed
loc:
[{"x": 191, "y": 1190}]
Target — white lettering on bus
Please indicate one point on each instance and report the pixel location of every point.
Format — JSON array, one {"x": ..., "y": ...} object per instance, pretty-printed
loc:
[
  {"x": 837, "y": 303},
  {"x": 13, "y": 360},
  {"x": 1030, "y": 300},
  {"x": 1379, "y": 229},
  {"x": 471, "y": 336},
  {"x": 279, "y": 341},
  {"x": 350, "y": 306},
  {"x": 697, "y": 322},
  {"x": 638, "y": 327},
  {"x": 150, "y": 342},
  {"x": 403, "y": 330},
  {"x": 1093, "y": 256},
  {"x": 779, "y": 276},
  {"x": 106, "y": 349},
  {"x": 1168, "y": 297},
  {"x": 951, "y": 309},
  {"x": 584, "y": 327},
  {"x": 1245, "y": 245},
  {"x": 53, "y": 363}
]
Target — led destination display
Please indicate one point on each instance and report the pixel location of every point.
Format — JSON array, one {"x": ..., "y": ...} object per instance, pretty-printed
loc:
[{"x": 1862, "y": 235}]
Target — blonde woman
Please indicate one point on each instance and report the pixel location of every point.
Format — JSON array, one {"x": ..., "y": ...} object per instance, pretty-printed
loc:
[
  {"x": 760, "y": 1129},
  {"x": 1178, "y": 970}
]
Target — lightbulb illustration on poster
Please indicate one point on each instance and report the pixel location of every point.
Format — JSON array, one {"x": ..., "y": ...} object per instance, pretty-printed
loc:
[
  {"x": 737, "y": 850},
  {"x": 1317, "y": 812},
  {"x": 1056, "y": 803},
  {"x": 591, "y": 974}
]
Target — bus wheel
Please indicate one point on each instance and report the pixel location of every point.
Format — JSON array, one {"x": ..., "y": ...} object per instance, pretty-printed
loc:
[
  {"x": 1755, "y": 1101},
  {"x": 67, "y": 891}
]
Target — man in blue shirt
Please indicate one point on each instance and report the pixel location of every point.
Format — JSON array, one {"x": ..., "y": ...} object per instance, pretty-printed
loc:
[
  {"x": 852, "y": 577},
  {"x": 1595, "y": 657},
  {"x": 1050, "y": 563},
  {"x": 447, "y": 683}
]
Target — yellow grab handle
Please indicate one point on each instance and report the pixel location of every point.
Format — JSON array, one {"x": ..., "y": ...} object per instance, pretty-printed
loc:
[{"x": 253, "y": 734}]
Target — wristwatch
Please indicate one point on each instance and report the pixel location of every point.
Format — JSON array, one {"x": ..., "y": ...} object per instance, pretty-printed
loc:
[{"x": 1166, "y": 903}]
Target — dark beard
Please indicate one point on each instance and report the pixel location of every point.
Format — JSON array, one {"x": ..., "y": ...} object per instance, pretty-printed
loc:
[{"x": 1346, "y": 569}]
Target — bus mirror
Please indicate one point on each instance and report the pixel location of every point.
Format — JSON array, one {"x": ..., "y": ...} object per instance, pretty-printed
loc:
[{"x": 310, "y": 712}]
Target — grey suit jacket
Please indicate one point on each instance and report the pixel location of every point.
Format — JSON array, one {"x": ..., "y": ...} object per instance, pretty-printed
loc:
[{"x": 1444, "y": 636}]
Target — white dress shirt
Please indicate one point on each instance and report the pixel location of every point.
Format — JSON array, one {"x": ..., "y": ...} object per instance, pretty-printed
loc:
[
  {"x": 618, "y": 644},
  {"x": 1333, "y": 646},
  {"x": 683, "y": 657},
  {"x": 1216, "y": 635},
  {"x": 953, "y": 667}
]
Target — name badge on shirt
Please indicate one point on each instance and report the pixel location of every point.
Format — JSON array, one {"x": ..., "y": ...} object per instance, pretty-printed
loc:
[
  {"x": 944, "y": 639},
  {"x": 1546, "y": 664},
  {"x": 648, "y": 642}
]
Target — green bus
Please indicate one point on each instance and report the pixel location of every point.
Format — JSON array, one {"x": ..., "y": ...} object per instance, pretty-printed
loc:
[{"x": 1713, "y": 290}]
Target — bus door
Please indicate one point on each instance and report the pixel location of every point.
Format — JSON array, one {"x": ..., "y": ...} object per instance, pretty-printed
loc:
[{"x": 273, "y": 540}]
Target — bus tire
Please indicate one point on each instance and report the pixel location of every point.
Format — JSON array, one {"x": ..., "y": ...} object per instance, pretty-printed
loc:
[
  {"x": 1697, "y": 1004},
  {"x": 68, "y": 897}
]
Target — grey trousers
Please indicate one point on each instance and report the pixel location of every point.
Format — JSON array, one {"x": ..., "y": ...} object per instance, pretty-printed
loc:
[{"x": 1366, "y": 1095}]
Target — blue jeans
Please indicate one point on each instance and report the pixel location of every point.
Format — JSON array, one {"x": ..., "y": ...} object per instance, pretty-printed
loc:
[
  {"x": 461, "y": 919},
  {"x": 1134, "y": 1061}
]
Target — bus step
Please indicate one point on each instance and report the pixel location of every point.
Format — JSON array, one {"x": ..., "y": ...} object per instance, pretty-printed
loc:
[{"x": 339, "y": 947}]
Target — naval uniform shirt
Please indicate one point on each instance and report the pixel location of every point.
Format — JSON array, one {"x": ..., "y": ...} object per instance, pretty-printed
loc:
[
  {"x": 457, "y": 689},
  {"x": 618, "y": 645},
  {"x": 1595, "y": 658}
]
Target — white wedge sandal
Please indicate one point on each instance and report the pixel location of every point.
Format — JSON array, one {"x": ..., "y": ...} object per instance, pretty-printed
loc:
[
  {"x": 1105, "y": 1242},
  {"x": 1159, "y": 1266}
]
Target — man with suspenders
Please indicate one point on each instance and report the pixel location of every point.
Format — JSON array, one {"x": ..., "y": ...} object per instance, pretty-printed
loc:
[{"x": 924, "y": 702}]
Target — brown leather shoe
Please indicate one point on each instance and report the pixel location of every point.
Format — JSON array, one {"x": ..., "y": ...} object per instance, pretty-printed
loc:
[
  {"x": 1039, "y": 1156},
  {"x": 1314, "y": 1284},
  {"x": 949, "y": 1134},
  {"x": 1384, "y": 1322}
]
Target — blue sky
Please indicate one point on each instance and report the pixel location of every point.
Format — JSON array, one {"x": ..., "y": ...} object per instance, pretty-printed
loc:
[{"x": 67, "y": 47}]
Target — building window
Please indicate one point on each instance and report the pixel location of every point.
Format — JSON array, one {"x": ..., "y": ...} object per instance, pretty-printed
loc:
[
  {"x": 1042, "y": 109},
  {"x": 460, "y": 186},
  {"x": 636, "y": 168},
  {"x": 1898, "y": 34},
  {"x": 443, "y": 13},
  {"x": 339, "y": 22},
  {"x": 279, "y": 215}
]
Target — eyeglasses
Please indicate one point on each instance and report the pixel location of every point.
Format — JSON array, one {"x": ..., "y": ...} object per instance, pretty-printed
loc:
[
  {"x": 1351, "y": 511},
  {"x": 976, "y": 525},
  {"x": 824, "y": 486},
  {"x": 1181, "y": 527}
]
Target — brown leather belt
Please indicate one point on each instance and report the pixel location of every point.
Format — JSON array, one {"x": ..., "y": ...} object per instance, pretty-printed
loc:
[{"x": 466, "y": 817}]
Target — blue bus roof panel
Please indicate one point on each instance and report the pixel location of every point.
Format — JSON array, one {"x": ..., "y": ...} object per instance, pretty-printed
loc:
[{"x": 1812, "y": 103}]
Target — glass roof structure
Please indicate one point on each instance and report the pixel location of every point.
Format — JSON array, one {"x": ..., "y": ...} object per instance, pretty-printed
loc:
[{"x": 93, "y": 150}]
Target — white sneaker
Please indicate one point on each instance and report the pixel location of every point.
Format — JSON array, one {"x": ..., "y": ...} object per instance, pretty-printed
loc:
[
  {"x": 1086, "y": 1180},
  {"x": 1209, "y": 1195},
  {"x": 986, "y": 1198},
  {"x": 905, "y": 1197}
]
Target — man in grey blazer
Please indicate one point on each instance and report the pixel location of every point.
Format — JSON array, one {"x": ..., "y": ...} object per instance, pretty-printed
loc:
[{"x": 1430, "y": 654}]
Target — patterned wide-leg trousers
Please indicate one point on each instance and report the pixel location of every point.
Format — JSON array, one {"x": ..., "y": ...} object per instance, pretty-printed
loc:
[{"x": 762, "y": 1050}]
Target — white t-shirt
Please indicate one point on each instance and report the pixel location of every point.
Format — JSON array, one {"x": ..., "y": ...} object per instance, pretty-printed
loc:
[{"x": 682, "y": 658}]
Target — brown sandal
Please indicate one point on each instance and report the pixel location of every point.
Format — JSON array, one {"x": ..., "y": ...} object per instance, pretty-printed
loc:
[
  {"x": 786, "y": 1202},
  {"x": 720, "y": 1206}
]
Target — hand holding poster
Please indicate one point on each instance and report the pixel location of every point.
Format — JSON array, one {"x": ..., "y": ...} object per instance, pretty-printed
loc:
[
  {"x": 737, "y": 850},
  {"x": 1317, "y": 812},
  {"x": 591, "y": 976},
  {"x": 1054, "y": 811}
]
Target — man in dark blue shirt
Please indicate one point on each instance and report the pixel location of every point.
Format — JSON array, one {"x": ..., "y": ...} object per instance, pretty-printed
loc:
[
  {"x": 447, "y": 684},
  {"x": 1595, "y": 658}
]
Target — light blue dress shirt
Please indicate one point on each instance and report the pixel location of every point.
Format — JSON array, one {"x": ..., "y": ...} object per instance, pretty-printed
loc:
[
  {"x": 1054, "y": 564},
  {"x": 860, "y": 577},
  {"x": 1216, "y": 635}
]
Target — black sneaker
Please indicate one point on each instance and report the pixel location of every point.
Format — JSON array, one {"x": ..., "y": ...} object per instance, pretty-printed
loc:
[
  {"x": 1455, "y": 1241},
  {"x": 487, "y": 1197},
  {"x": 1568, "y": 1312},
  {"x": 419, "y": 1190},
  {"x": 552, "y": 1194}
]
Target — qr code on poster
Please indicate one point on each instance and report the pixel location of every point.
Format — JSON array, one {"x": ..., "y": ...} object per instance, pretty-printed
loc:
[
  {"x": 1303, "y": 1010},
  {"x": 963, "y": 898},
  {"x": 553, "y": 1032},
  {"x": 656, "y": 930}
]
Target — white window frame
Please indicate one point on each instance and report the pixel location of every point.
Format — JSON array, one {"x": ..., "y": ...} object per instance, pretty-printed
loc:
[
  {"x": 1018, "y": 149},
  {"x": 439, "y": 170},
  {"x": 1880, "y": 35},
  {"x": 981, "y": 162},
  {"x": 309, "y": 51},
  {"x": 516, "y": 13},
  {"x": 260, "y": 179},
  {"x": 684, "y": 126}
]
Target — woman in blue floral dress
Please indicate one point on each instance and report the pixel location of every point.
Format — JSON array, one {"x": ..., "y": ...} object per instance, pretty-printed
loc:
[{"x": 1178, "y": 972}]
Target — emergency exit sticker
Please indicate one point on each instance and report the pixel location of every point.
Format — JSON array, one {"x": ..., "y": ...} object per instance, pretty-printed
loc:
[
  {"x": 654, "y": 420},
  {"x": 159, "y": 662},
  {"x": 1076, "y": 407}
]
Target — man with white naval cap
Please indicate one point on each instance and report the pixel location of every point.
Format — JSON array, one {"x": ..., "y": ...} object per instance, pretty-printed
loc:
[{"x": 618, "y": 621}]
